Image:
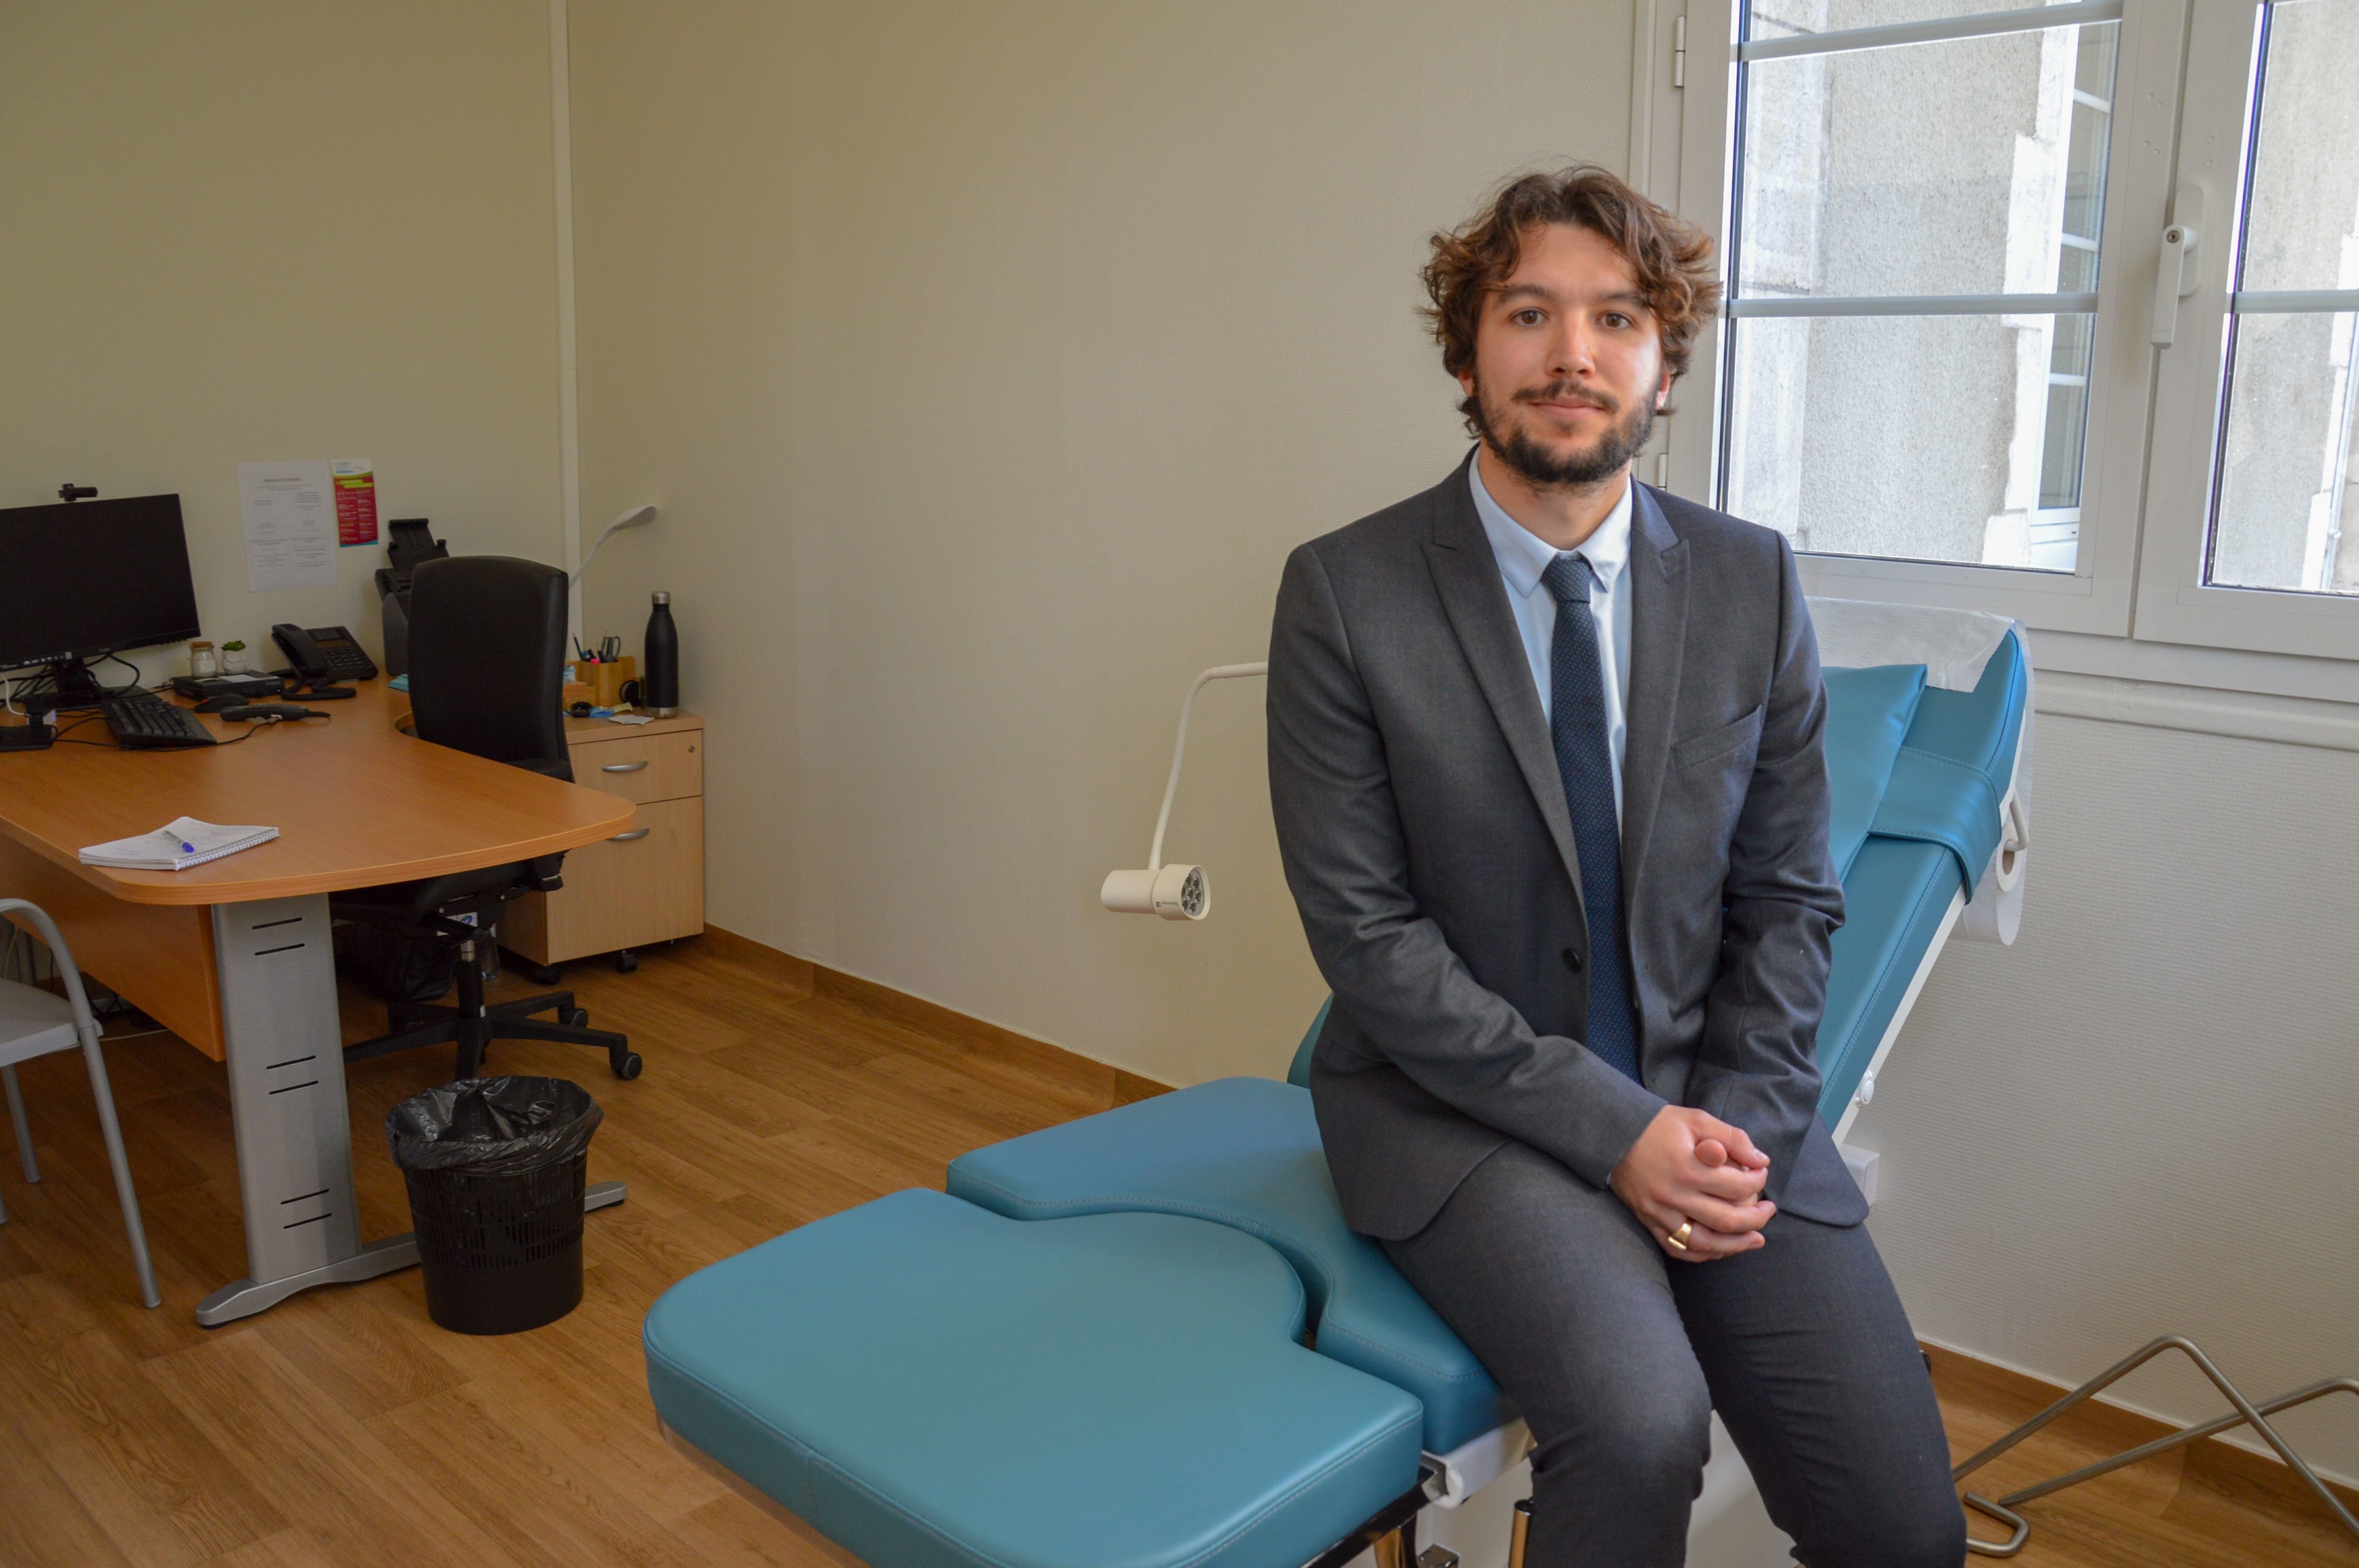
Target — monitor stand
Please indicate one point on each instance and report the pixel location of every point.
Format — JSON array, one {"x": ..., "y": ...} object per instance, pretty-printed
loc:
[{"x": 77, "y": 685}]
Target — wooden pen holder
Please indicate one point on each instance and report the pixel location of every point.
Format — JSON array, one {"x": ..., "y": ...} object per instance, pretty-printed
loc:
[{"x": 606, "y": 681}]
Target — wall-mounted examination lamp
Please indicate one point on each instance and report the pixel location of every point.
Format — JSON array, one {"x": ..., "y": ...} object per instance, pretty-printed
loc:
[
  {"x": 1175, "y": 892},
  {"x": 630, "y": 519}
]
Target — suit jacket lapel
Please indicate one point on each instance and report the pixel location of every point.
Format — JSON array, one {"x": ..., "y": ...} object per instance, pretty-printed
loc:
[
  {"x": 1658, "y": 625},
  {"x": 1466, "y": 574}
]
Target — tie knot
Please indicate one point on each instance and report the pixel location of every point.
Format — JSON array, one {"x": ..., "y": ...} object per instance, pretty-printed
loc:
[{"x": 1569, "y": 579}]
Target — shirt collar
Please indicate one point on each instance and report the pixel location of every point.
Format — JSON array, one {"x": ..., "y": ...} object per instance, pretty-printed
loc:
[{"x": 1523, "y": 554}]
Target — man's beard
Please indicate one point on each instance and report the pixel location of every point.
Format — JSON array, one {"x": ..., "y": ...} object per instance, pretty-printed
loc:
[{"x": 1579, "y": 470}]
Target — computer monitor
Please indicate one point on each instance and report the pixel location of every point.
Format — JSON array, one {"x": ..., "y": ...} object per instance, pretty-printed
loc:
[{"x": 85, "y": 578}]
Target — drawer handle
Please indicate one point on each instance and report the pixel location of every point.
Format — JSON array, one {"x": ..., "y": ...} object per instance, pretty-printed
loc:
[
  {"x": 634, "y": 833},
  {"x": 623, "y": 767}
]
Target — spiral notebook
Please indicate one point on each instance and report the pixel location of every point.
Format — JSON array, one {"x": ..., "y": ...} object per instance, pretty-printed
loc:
[{"x": 180, "y": 843}]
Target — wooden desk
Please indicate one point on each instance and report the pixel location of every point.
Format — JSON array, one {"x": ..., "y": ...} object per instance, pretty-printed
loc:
[{"x": 234, "y": 956}]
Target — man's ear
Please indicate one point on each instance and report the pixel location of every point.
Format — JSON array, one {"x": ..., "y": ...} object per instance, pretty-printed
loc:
[{"x": 1663, "y": 393}]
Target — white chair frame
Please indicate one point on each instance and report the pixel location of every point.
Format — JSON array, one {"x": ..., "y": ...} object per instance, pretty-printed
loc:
[{"x": 33, "y": 1023}]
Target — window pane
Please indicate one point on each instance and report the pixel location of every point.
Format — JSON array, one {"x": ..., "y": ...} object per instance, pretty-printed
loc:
[
  {"x": 1970, "y": 166},
  {"x": 2304, "y": 201},
  {"x": 1925, "y": 437},
  {"x": 2283, "y": 495},
  {"x": 2286, "y": 467}
]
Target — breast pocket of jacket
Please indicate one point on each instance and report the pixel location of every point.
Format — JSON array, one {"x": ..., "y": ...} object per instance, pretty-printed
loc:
[{"x": 1710, "y": 773}]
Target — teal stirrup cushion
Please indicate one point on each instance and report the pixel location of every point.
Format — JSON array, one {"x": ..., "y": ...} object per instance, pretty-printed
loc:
[
  {"x": 934, "y": 1386},
  {"x": 1245, "y": 1153},
  {"x": 1868, "y": 712}
]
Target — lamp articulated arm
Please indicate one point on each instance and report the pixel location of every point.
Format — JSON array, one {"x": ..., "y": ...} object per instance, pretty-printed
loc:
[{"x": 1175, "y": 892}]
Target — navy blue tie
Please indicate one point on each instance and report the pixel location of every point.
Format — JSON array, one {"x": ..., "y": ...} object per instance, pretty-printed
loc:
[{"x": 1584, "y": 760}]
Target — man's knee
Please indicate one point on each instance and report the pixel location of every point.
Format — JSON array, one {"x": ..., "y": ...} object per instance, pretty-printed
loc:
[
  {"x": 1929, "y": 1535},
  {"x": 1651, "y": 1436}
]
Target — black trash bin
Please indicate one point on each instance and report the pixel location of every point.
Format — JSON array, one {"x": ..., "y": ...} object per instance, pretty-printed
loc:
[{"x": 496, "y": 1169}]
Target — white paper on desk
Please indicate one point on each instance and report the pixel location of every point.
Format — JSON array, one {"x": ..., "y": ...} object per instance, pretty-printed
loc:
[{"x": 290, "y": 524}]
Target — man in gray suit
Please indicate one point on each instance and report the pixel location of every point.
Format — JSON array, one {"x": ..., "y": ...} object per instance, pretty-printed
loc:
[{"x": 1545, "y": 755}]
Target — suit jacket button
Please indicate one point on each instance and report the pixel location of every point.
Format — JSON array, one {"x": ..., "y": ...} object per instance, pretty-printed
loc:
[{"x": 1572, "y": 960}]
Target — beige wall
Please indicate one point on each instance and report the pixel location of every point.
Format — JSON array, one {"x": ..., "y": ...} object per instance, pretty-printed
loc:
[
  {"x": 987, "y": 362},
  {"x": 265, "y": 232}
]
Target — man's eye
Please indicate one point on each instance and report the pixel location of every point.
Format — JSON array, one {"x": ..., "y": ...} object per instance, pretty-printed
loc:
[
  {"x": 1616, "y": 320},
  {"x": 1526, "y": 317}
]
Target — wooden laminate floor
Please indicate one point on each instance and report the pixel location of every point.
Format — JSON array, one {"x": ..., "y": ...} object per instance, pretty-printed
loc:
[{"x": 343, "y": 1428}]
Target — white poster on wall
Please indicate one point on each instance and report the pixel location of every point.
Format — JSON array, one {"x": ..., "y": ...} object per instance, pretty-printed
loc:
[{"x": 290, "y": 524}]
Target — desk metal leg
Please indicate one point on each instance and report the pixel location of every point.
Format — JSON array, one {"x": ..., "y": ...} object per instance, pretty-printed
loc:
[{"x": 286, "y": 1102}]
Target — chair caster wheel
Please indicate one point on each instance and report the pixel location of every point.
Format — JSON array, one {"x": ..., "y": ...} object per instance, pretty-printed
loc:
[
  {"x": 576, "y": 1018},
  {"x": 626, "y": 962},
  {"x": 627, "y": 1065}
]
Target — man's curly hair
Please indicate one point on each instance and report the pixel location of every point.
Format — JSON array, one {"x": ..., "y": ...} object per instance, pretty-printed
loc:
[{"x": 1670, "y": 258}]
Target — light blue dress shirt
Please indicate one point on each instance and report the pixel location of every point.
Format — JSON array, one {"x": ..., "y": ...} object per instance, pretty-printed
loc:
[{"x": 1523, "y": 555}]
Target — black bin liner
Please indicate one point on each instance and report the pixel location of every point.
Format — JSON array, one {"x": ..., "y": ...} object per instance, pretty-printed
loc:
[{"x": 496, "y": 1169}]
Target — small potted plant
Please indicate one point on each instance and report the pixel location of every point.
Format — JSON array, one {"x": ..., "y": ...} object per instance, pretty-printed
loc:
[{"x": 233, "y": 658}]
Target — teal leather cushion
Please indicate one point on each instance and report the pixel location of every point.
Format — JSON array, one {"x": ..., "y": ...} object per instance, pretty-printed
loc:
[
  {"x": 1245, "y": 1153},
  {"x": 1895, "y": 901},
  {"x": 934, "y": 1386},
  {"x": 1954, "y": 769},
  {"x": 1868, "y": 714},
  {"x": 1297, "y": 1072}
]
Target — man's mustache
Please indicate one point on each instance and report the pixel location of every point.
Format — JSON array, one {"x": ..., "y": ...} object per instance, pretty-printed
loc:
[{"x": 1569, "y": 391}]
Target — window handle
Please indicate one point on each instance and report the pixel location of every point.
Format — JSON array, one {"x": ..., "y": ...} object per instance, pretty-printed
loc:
[
  {"x": 2179, "y": 268},
  {"x": 2176, "y": 271}
]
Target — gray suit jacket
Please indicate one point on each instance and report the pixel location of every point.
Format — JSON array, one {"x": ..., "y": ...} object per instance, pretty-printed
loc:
[{"x": 1426, "y": 839}]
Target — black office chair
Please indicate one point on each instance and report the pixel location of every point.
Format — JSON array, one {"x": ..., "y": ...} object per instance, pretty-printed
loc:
[{"x": 486, "y": 664}]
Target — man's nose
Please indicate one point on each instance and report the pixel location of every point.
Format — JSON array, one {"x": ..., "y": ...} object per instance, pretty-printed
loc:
[{"x": 1570, "y": 352}]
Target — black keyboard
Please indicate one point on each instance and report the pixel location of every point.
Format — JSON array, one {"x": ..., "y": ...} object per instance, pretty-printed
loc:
[{"x": 141, "y": 719}]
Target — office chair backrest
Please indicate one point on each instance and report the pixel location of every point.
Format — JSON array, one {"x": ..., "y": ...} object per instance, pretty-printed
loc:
[{"x": 487, "y": 659}]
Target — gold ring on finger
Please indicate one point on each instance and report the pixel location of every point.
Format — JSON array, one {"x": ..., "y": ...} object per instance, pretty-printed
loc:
[{"x": 1679, "y": 1237}]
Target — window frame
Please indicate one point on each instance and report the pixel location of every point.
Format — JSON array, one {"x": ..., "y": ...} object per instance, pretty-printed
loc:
[
  {"x": 2096, "y": 597},
  {"x": 2174, "y": 603}
]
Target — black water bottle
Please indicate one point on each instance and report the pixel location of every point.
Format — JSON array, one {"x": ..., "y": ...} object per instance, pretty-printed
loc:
[{"x": 659, "y": 674}]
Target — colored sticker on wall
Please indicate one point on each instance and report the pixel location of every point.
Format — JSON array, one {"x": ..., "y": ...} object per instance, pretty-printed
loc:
[{"x": 356, "y": 500}]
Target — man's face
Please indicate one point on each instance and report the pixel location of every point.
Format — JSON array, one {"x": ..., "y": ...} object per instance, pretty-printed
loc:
[{"x": 1567, "y": 361}]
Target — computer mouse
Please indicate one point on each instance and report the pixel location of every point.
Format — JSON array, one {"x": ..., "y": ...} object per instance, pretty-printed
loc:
[{"x": 220, "y": 704}]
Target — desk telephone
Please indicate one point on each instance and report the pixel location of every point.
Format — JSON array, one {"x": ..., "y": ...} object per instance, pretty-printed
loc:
[{"x": 324, "y": 653}]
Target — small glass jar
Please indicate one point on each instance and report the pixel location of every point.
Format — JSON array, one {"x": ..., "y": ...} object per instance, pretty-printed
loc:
[{"x": 202, "y": 665}]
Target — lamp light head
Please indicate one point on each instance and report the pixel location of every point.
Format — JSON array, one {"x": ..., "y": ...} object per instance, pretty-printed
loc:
[
  {"x": 1175, "y": 892},
  {"x": 630, "y": 519}
]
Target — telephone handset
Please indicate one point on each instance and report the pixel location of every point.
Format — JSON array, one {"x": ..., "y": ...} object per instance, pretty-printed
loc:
[{"x": 324, "y": 653}]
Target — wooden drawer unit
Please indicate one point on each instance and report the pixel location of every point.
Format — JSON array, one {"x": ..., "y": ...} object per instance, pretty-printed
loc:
[{"x": 645, "y": 884}]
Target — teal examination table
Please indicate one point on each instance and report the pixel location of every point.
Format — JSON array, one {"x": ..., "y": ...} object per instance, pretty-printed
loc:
[{"x": 1147, "y": 1338}]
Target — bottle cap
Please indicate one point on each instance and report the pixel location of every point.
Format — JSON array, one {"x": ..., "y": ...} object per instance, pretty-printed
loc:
[{"x": 662, "y": 597}]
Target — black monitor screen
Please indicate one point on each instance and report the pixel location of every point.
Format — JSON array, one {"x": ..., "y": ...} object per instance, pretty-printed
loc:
[{"x": 91, "y": 578}]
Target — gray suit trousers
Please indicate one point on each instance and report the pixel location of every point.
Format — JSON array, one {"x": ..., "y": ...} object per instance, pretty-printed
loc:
[{"x": 1617, "y": 1354}]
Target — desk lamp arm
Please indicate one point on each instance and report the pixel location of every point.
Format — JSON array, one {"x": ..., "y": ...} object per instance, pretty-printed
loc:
[{"x": 1175, "y": 892}]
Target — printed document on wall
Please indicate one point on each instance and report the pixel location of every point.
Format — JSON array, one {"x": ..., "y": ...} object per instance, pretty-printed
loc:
[{"x": 290, "y": 524}]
